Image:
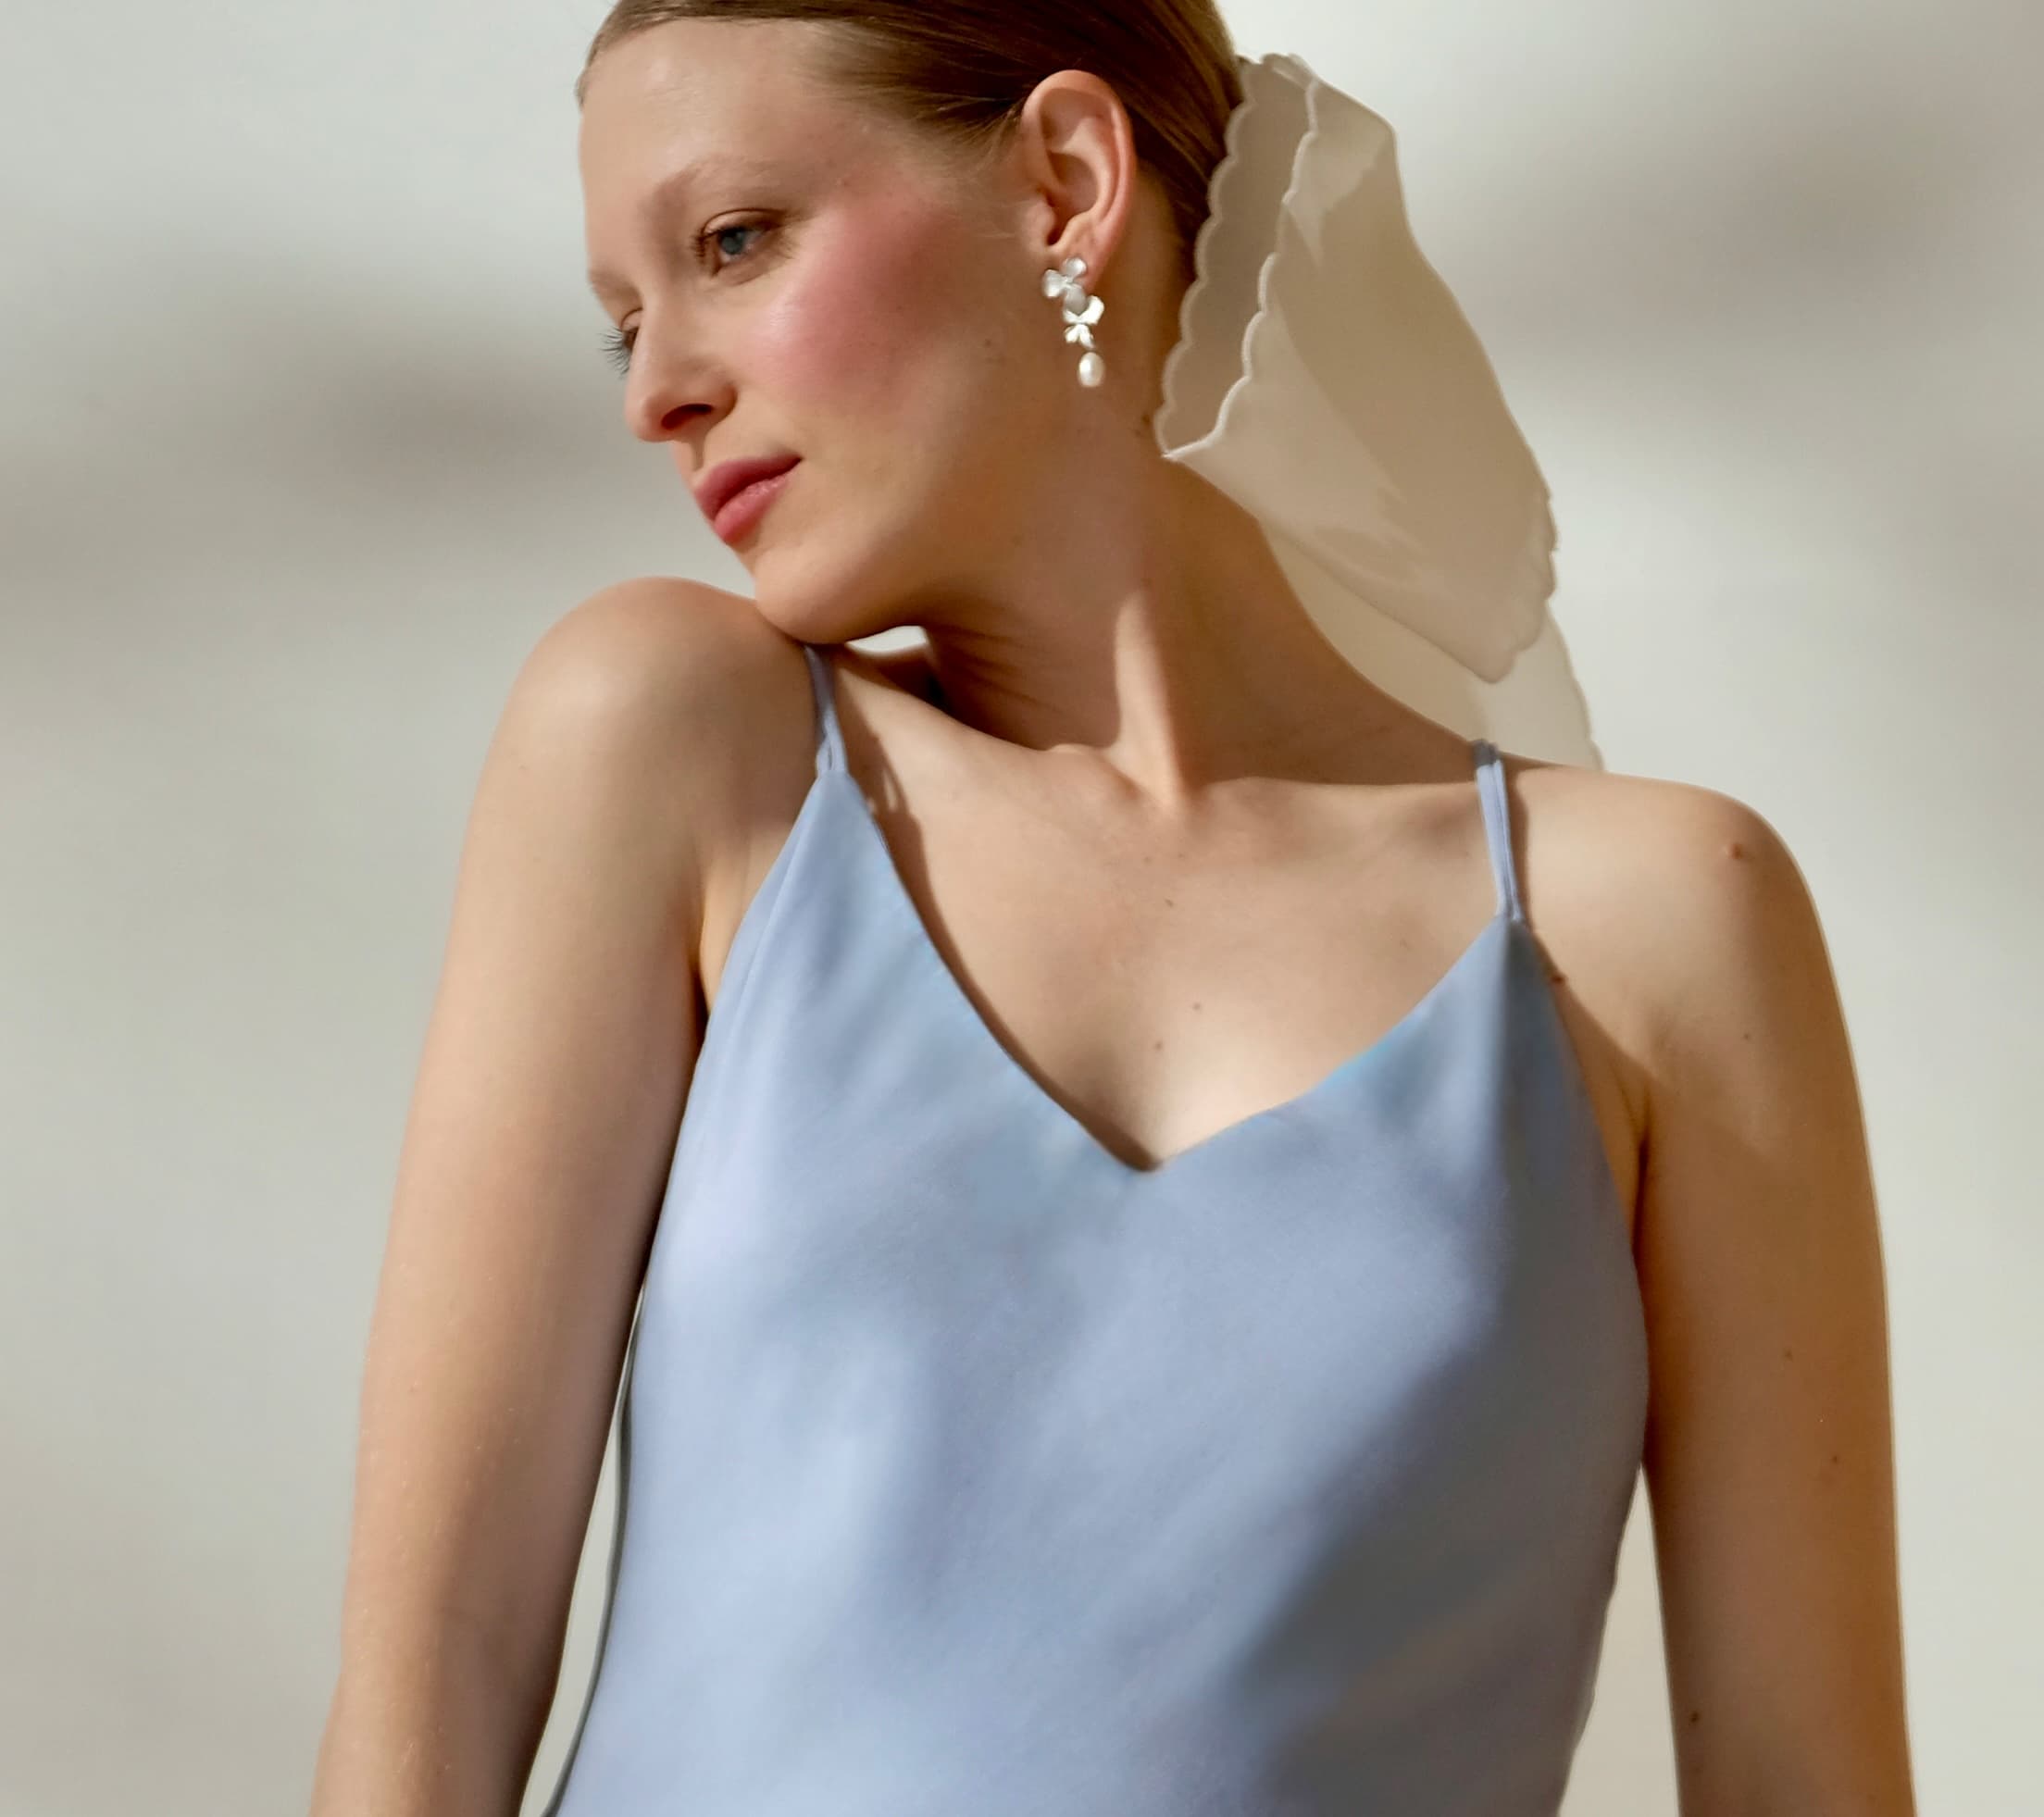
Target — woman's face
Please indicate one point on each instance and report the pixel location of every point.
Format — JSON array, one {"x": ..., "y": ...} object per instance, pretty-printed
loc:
[{"x": 797, "y": 276}]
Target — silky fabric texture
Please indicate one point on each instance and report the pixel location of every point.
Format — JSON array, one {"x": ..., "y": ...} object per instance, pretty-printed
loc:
[{"x": 967, "y": 1471}]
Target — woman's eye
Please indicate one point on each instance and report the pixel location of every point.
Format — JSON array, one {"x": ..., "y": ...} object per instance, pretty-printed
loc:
[
  {"x": 715, "y": 237},
  {"x": 617, "y": 344}
]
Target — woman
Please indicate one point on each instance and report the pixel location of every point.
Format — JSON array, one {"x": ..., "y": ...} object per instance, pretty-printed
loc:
[{"x": 1204, "y": 1186}]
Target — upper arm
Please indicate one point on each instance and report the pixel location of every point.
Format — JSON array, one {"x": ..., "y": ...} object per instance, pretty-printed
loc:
[
  {"x": 556, "y": 1058},
  {"x": 1769, "y": 1453}
]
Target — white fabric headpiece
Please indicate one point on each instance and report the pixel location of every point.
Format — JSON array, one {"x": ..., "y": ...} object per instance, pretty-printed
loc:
[{"x": 1327, "y": 380}]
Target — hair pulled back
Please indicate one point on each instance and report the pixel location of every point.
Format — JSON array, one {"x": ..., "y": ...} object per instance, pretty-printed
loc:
[{"x": 962, "y": 69}]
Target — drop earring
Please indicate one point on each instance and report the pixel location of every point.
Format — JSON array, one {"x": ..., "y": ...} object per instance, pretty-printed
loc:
[{"x": 1081, "y": 312}]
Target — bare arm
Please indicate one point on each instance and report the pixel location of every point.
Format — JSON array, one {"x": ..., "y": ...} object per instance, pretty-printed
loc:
[
  {"x": 1769, "y": 1452},
  {"x": 555, "y": 1063}
]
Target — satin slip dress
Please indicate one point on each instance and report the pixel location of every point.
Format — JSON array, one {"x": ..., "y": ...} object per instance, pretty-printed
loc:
[{"x": 967, "y": 1471}]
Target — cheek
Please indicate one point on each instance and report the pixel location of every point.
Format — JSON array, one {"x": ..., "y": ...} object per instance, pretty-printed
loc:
[{"x": 875, "y": 323}]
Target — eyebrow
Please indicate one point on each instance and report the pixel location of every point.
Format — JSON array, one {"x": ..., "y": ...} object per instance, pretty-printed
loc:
[{"x": 665, "y": 193}]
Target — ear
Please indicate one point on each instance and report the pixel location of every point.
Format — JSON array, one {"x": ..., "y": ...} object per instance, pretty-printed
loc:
[{"x": 1078, "y": 160}]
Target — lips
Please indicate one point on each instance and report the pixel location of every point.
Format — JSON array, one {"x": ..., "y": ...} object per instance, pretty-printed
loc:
[
  {"x": 716, "y": 488},
  {"x": 747, "y": 505}
]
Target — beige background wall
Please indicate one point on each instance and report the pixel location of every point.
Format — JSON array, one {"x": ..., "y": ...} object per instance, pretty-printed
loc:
[{"x": 306, "y": 438}]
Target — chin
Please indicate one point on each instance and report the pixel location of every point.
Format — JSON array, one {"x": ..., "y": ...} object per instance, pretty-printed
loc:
[{"x": 823, "y": 601}]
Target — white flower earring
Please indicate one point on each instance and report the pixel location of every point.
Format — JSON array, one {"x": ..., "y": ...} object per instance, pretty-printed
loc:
[{"x": 1081, "y": 312}]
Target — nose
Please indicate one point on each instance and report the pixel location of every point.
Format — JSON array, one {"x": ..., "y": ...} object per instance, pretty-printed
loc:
[
  {"x": 667, "y": 416},
  {"x": 673, "y": 392}
]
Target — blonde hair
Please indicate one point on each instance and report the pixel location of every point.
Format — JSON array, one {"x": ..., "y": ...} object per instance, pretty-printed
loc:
[{"x": 962, "y": 69}]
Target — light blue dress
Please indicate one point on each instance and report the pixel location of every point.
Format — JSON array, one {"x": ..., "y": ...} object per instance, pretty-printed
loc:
[{"x": 968, "y": 1471}]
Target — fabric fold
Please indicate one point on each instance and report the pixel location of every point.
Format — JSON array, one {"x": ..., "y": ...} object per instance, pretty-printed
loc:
[{"x": 1327, "y": 380}]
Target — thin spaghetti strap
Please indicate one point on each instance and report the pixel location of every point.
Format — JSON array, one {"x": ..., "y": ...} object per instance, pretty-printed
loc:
[
  {"x": 829, "y": 737},
  {"x": 1497, "y": 826}
]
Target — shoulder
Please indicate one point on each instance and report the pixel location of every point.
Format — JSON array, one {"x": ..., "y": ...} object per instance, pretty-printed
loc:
[
  {"x": 655, "y": 700},
  {"x": 1768, "y": 1447},
  {"x": 1692, "y": 897},
  {"x": 642, "y": 651}
]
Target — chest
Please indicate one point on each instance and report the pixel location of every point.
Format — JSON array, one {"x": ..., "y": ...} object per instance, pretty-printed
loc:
[{"x": 1160, "y": 990}]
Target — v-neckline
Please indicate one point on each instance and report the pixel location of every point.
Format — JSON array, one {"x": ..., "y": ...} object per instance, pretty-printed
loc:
[{"x": 980, "y": 1030}]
